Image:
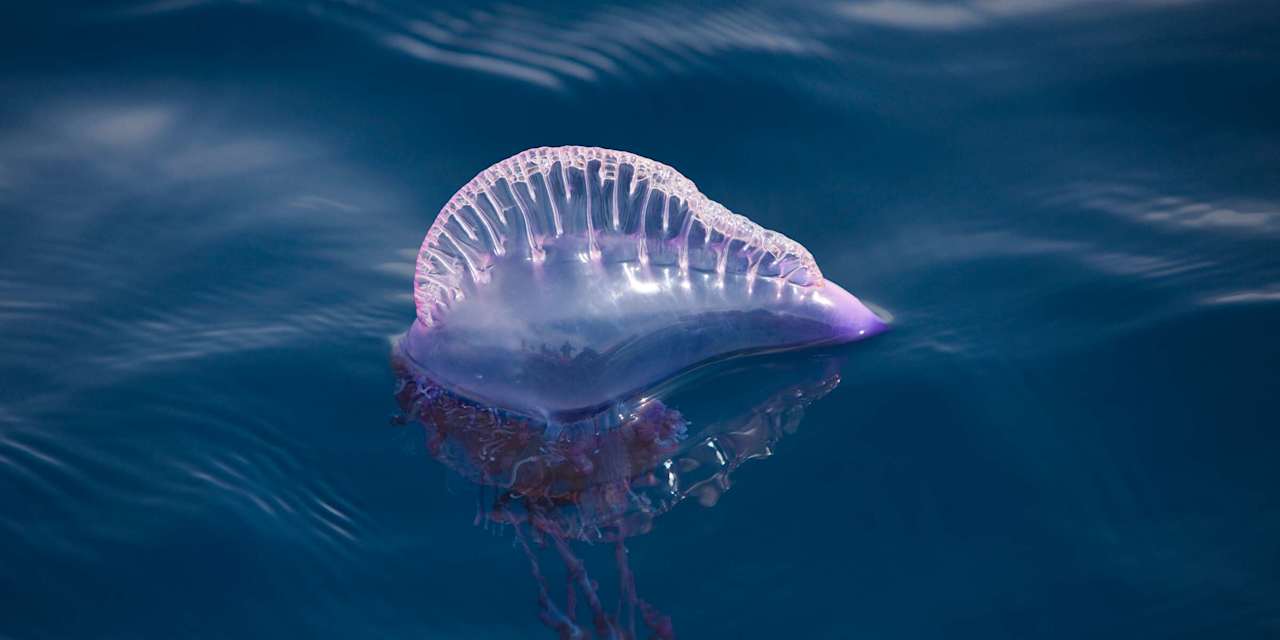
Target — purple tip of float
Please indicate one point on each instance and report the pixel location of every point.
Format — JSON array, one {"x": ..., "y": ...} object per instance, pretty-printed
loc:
[{"x": 853, "y": 319}]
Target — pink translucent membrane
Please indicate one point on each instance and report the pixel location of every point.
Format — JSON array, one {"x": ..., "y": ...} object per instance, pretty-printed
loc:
[{"x": 562, "y": 280}]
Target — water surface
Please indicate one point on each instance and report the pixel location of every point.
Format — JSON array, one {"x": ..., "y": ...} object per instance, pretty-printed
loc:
[{"x": 209, "y": 213}]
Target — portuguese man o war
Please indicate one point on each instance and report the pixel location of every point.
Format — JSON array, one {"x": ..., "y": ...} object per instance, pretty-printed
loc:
[
  {"x": 563, "y": 279},
  {"x": 577, "y": 308}
]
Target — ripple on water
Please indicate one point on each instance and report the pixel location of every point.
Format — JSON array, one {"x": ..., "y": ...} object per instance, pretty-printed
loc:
[
  {"x": 126, "y": 420},
  {"x": 207, "y": 190},
  {"x": 1141, "y": 204},
  {"x": 557, "y": 51},
  {"x": 189, "y": 473}
]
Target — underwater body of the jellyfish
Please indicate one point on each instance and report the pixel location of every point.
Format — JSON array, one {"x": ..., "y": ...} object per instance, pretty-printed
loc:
[
  {"x": 563, "y": 296},
  {"x": 563, "y": 280},
  {"x": 605, "y": 486}
]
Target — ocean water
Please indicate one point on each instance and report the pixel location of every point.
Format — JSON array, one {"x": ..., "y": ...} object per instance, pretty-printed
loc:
[{"x": 209, "y": 213}]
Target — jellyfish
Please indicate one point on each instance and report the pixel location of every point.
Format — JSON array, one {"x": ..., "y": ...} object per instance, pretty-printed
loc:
[
  {"x": 565, "y": 296},
  {"x": 563, "y": 279}
]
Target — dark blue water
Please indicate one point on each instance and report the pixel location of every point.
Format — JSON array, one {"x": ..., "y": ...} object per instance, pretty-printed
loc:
[{"x": 209, "y": 213}]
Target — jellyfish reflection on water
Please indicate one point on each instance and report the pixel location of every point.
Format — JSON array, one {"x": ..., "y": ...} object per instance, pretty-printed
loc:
[{"x": 563, "y": 295}]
